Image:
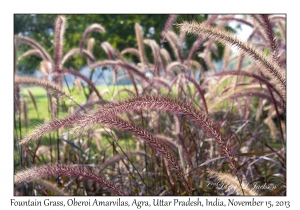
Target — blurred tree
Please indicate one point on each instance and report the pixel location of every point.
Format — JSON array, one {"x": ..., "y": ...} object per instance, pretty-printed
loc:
[{"x": 119, "y": 33}]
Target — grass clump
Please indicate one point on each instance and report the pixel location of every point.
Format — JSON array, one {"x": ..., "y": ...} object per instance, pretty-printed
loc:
[{"x": 180, "y": 117}]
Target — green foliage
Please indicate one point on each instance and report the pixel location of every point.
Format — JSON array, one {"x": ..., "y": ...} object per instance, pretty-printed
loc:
[{"x": 119, "y": 33}]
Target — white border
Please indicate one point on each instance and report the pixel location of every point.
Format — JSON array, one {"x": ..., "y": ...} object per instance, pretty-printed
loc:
[{"x": 8, "y": 8}]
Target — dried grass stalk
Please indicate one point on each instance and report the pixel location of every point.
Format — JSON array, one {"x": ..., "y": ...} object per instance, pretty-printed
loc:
[{"x": 51, "y": 187}]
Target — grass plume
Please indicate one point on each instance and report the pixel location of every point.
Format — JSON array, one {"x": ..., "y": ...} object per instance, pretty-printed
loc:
[
  {"x": 163, "y": 103},
  {"x": 233, "y": 182},
  {"x": 64, "y": 170},
  {"x": 35, "y": 45},
  {"x": 49, "y": 86},
  {"x": 141, "y": 48},
  {"x": 275, "y": 71},
  {"x": 88, "y": 31},
  {"x": 59, "y": 30}
]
